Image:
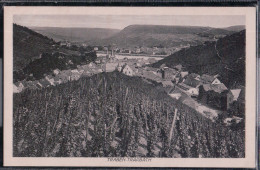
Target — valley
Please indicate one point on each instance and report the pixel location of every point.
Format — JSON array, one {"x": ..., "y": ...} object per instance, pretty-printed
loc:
[{"x": 144, "y": 91}]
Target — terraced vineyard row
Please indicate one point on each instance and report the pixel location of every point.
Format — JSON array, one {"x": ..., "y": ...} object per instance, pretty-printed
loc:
[{"x": 113, "y": 115}]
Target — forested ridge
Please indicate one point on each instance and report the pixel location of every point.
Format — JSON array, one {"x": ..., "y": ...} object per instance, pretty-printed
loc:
[
  {"x": 225, "y": 57},
  {"x": 111, "y": 114}
]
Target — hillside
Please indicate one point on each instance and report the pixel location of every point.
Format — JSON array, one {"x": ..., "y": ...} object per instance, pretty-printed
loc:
[
  {"x": 28, "y": 45},
  {"x": 113, "y": 115},
  {"x": 35, "y": 54},
  {"x": 49, "y": 62},
  {"x": 235, "y": 28},
  {"x": 168, "y": 36},
  {"x": 226, "y": 57},
  {"x": 75, "y": 34}
]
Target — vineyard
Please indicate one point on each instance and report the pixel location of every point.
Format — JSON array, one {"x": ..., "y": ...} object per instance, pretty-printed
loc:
[{"x": 113, "y": 115}]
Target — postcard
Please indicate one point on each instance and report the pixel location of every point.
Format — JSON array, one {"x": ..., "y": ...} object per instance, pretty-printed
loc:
[{"x": 130, "y": 86}]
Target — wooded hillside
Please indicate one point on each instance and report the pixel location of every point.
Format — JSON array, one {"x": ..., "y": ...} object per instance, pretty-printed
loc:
[
  {"x": 225, "y": 57},
  {"x": 28, "y": 45}
]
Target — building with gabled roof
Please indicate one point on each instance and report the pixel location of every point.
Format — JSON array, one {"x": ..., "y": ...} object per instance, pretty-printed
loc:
[
  {"x": 30, "y": 84},
  {"x": 167, "y": 83},
  {"x": 178, "y": 67},
  {"x": 18, "y": 87},
  {"x": 44, "y": 83},
  {"x": 236, "y": 101},
  {"x": 56, "y": 71},
  {"x": 50, "y": 79},
  {"x": 190, "y": 81},
  {"x": 168, "y": 73},
  {"x": 129, "y": 70},
  {"x": 184, "y": 74},
  {"x": 109, "y": 67},
  {"x": 208, "y": 79},
  {"x": 214, "y": 95},
  {"x": 194, "y": 76}
]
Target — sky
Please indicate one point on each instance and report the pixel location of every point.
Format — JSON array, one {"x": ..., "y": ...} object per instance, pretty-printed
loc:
[{"x": 122, "y": 21}]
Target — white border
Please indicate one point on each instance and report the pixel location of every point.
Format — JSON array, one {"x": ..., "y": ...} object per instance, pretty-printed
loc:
[{"x": 248, "y": 12}]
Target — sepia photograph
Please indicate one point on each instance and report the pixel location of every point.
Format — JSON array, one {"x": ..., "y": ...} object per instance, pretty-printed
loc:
[{"x": 130, "y": 87}]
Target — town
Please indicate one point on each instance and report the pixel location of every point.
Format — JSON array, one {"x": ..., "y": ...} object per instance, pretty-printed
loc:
[{"x": 204, "y": 93}]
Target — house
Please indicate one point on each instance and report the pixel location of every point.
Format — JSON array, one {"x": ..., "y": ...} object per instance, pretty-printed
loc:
[
  {"x": 120, "y": 66},
  {"x": 178, "y": 67},
  {"x": 236, "y": 101},
  {"x": 150, "y": 75},
  {"x": 68, "y": 44},
  {"x": 191, "y": 91},
  {"x": 184, "y": 74},
  {"x": 126, "y": 51},
  {"x": 65, "y": 43},
  {"x": 162, "y": 66},
  {"x": 95, "y": 48},
  {"x": 74, "y": 76},
  {"x": 64, "y": 76},
  {"x": 57, "y": 81},
  {"x": 138, "y": 50},
  {"x": 18, "y": 87},
  {"x": 44, "y": 83},
  {"x": 109, "y": 67},
  {"x": 208, "y": 79},
  {"x": 193, "y": 82},
  {"x": 56, "y": 71},
  {"x": 214, "y": 95},
  {"x": 50, "y": 79},
  {"x": 151, "y": 60},
  {"x": 168, "y": 73},
  {"x": 167, "y": 83},
  {"x": 129, "y": 70},
  {"x": 39, "y": 85},
  {"x": 92, "y": 65},
  {"x": 194, "y": 76},
  {"x": 30, "y": 84}
]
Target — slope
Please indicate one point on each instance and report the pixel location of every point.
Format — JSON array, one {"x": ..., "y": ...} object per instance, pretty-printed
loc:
[
  {"x": 235, "y": 28},
  {"x": 37, "y": 55},
  {"x": 113, "y": 115},
  {"x": 167, "y": 36},
  {"x": 75, "y": 34},
  {"x": 225, "y": 57},
  {"x": 28, "y": 45}
]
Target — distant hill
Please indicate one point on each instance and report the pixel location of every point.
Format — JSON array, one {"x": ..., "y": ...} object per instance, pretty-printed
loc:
[
  {"x": 75, "y": 34},
  {"x": 168, "y": 36},
  {"x": 236, "y": 28},
  {"x": 28, "y": 45},
  {"x": 226, "y": 58}
]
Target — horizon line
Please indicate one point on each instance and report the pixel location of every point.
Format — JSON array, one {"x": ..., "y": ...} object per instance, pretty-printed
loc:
[{"x": 130, "y": 25}]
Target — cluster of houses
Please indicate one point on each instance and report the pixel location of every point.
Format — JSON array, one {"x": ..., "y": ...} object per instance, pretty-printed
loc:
[
  {"x": 139, "y": 50},
  {"x": 107, "y": 63},
  {"x": 65, "y": 43},
  {"x": 58, "y": 77},
  {"x": 207, "y": 89}
]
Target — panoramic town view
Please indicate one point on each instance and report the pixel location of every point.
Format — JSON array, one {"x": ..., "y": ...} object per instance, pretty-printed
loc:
[{"x": 126, "y": 89}]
